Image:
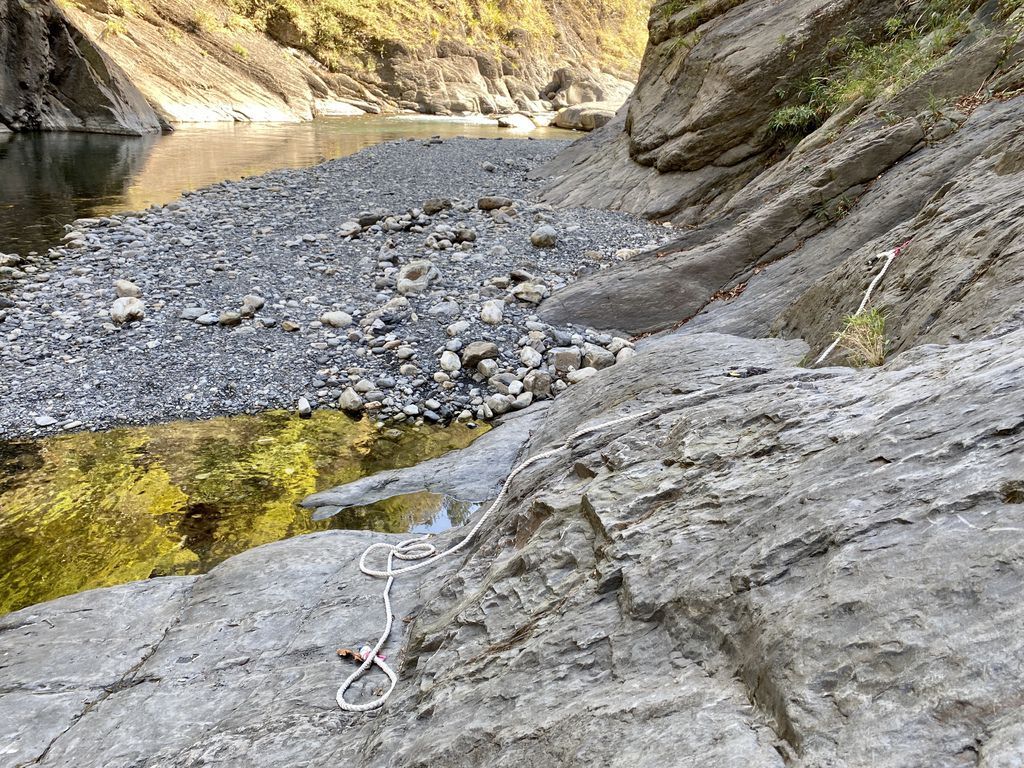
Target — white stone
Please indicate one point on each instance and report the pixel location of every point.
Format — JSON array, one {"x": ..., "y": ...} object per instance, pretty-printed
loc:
[
  {"x": 530, "y": 357},
  {"x": 126, "y": 288},
  {"x": 450, "y": 361},
  {"x": 575, "y": 377},
  {"x": 336, "y": 319},
  {"x": 126, "y": 309},
  {"x": 492, "y": 312}
]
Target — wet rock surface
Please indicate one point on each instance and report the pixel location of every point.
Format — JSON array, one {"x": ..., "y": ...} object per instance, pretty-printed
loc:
[{"x": 331, "y": 283}]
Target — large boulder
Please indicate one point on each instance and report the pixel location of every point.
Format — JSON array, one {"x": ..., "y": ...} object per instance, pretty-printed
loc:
[
  {"x": 586, "y": 116},
  {"x": 54, "y": 78}
]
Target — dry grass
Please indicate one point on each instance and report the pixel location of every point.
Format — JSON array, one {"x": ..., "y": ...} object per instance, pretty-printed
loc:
[
  {"x": 332, "y": 30},
  {"x": 863, "y": 339}
]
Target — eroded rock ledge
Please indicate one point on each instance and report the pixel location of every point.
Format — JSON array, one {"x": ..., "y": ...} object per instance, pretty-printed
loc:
[{"x": 778, "y": 566}]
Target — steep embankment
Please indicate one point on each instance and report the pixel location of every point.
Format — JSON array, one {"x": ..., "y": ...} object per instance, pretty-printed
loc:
[
  {"x": 250, "y": 60},
  {"x": 808, "y": 137}
]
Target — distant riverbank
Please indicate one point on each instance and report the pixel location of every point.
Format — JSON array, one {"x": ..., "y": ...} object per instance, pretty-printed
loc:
[{"x": 48, "y": 180}]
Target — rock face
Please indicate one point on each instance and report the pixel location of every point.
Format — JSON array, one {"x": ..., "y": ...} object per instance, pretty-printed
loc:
[
  {"x": 769, "y": 564},
  {"x": 52, "y": 77},
  {"x": 210, "y": 60},
  {"x": 770, "y": 213},
  {"x": 757, "y": 572}
]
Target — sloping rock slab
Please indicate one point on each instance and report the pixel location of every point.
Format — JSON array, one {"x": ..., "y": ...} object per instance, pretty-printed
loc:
[{"x": 773, "y": 566}]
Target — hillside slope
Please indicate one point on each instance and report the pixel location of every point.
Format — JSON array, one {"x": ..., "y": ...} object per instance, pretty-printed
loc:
[{"x": 266, "y": 60}]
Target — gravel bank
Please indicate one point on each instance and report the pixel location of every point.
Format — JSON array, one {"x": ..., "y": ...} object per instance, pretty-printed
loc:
[{"x": 379, "y": 283}]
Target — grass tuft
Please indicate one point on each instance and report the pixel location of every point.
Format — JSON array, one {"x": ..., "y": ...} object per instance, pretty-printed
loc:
[
  {"x": 863, "y": 339},
  {"x": 794, "y": 121}
]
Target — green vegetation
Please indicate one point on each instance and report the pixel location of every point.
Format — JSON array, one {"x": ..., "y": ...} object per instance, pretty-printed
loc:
[
  {"x": 96, "y": 509},
  {"x": 697, "y": 13},
  {"x": 797, "y": 120},
  {"x": 240, "y": 50},
  {"x": 336, "y": 31},
  {"x": 911, "y": 44},
  {"x": 863, "y": 339}
]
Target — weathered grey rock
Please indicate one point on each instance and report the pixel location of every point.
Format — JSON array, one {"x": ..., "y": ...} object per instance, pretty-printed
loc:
[
  {"x": 493, "y": 203},
  {"x": 544, "y": 236},
  {"x": 126, "y": 288},
  {"x": 416, "y": 276},
  {"x": 350, "y": 401},
  {"x": 586, "y": 116},
  {"x": 530, "y": 357},
  {"x": 564, "y": 359},
  {"x": 530, "y": 292},
  {"x": 471, "y": 474},
  {"x": 435, "y": 205},
  {"x": 251, "y": 304},
  {"x": 597, "y": 357},
  {"x": 450, "y": 362},
  {"x": 492, "y": 312},
  {"x": 476, "y": 351},
  {"x": 517, "y": 122},
  {"x": 580, "y": 374},
  {"x": 763, "y": 563}
]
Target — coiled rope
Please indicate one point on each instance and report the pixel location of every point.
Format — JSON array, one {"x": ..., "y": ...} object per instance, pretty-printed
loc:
[
  {"x": 890, "y": 256},
  {"x": 419, "y": 549}
]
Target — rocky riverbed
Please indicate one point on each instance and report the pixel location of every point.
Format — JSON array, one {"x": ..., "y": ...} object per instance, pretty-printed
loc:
[{"x": 401, "y": 282}]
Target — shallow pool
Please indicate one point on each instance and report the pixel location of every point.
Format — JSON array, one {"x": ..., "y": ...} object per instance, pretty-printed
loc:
[{"x": 96, "y": 509}]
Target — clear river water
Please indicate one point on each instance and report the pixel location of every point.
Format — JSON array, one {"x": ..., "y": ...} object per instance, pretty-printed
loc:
[{"x": 49, "y": 179}]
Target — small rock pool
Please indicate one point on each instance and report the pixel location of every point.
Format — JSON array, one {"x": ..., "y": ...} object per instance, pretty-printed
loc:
[{"x": 96, "y": 509}]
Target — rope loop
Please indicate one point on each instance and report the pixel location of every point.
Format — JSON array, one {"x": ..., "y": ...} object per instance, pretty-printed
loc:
[{"x": 422, "y": 554}]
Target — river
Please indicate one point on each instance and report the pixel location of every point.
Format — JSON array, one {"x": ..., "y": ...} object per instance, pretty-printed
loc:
[{"x": 49, "y": 179}]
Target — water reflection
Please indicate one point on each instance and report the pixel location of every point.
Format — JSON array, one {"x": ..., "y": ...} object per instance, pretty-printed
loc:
[
  {"x": 95, "y": 509},
  {"x": 50, "y": 179}
]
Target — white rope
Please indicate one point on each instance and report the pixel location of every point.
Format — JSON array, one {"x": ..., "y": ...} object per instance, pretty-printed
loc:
[
  {"x": 419, "y": 549},
  {"x": 890, "y": 256}
]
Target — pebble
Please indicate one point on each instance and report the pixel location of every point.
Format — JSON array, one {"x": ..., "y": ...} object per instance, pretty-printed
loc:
[
  {"x": 127, "y": 289},
  {"x": 314, "y": 311},
  {"x": 126, "y": 309},
  {"x": 575, "y": 377},
  {"x": 350, "y": 401},
  {"x": 336, "y": 319}
]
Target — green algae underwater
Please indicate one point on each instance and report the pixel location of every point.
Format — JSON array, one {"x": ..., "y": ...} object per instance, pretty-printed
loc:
[{"x": 97, "y": 509}]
